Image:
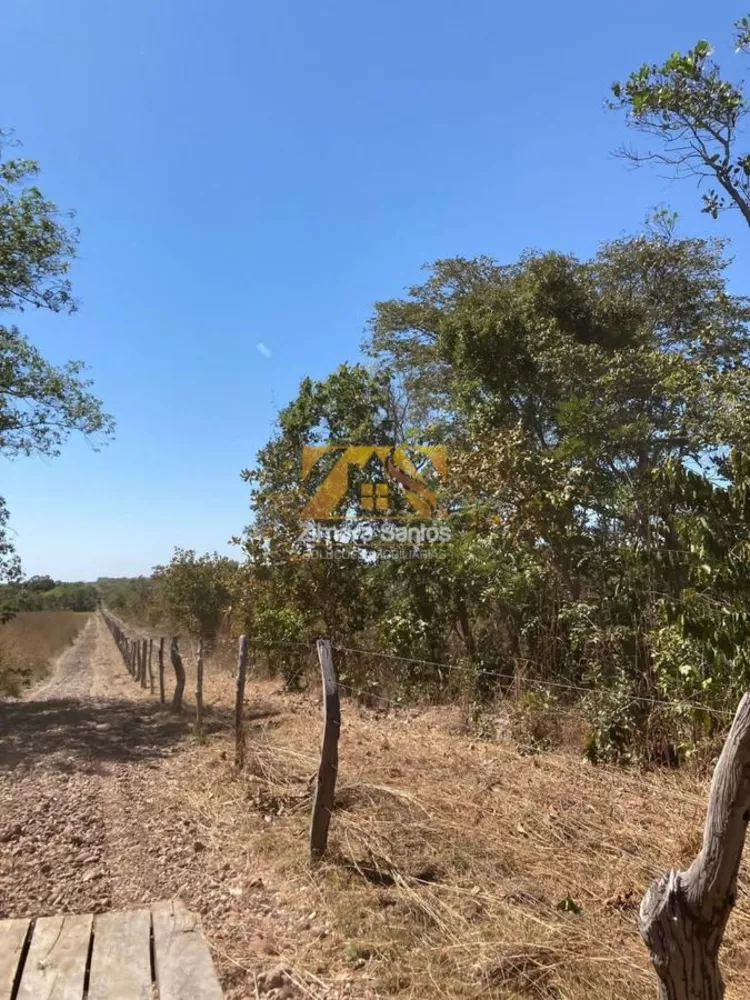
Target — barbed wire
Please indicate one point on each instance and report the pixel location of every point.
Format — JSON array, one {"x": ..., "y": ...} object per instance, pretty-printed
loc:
[{"x": 537, "y": 682}]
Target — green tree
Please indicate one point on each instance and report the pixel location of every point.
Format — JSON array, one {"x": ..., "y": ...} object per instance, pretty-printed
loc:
[
  {"x": 568, "y": 387},
  {"x": 40, "y": 404},
  {"x": 197, "y": 590},
  {"x": 697, "y": 116}
]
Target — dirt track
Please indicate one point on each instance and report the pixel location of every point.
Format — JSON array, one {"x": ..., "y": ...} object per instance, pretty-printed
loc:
[{"x": 69, "y": 755}]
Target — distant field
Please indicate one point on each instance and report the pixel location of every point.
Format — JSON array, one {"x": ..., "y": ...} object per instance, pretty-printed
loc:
[{"x": 30, "y": 641}]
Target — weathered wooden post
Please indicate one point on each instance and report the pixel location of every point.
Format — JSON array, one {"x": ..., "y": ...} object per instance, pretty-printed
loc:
[
  {"x": 325, "y": 791},
  {"x": 151, "y": 665},
  {"x": 179, "y": 671},
  {"x": 684, "y": 913},
  {"x": 161, "y": 670},
  {"x": 199, "y": 690},
  {"x": 144, "y": 662},
  {"x": 239, "y": 700}
]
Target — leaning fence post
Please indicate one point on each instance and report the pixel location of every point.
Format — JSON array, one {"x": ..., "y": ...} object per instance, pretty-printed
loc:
[
  {"x": 179, "y": 671},
  {"x": 325, "y": 791},
  {"x": 199, "y": 690},
  {"x": 239, "y": 717},
  {"x": 683, "y": 915},
  {"x": 161, "y": 670}
]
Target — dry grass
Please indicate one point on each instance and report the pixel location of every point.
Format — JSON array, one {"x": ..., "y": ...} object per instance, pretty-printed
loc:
[
  {"x": 30, "y": 641},
  {"x": 458, "y": 867}
]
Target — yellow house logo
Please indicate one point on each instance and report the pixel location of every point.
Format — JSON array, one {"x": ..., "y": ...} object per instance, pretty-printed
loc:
[{"x": 398, "y": 468}]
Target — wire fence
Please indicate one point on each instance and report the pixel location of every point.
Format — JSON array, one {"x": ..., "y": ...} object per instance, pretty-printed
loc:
[
  {"x": 339, "y": 676},
  {"x": 470, "y": 674}
]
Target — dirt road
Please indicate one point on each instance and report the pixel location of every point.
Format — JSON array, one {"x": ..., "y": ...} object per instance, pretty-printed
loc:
[
  {"x": 75, "y": 754},
  {"x": 98, "y": 810}
]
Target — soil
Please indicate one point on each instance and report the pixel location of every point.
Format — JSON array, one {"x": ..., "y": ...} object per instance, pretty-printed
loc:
[{"x": 89, "y": 818}]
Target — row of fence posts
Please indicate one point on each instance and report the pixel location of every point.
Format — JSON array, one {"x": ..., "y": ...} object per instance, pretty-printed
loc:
[
  {"x": 137, "y": 654},
  {"x": 682, "y": 916}
]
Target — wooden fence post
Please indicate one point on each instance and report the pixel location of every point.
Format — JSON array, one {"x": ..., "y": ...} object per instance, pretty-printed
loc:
[
  {"x": 161, "y": 670},
  {"x": 151, "y": 665},
  {"x": 325, "y": 791},
  {"x": 179, "y": 671},
  {"x": 144, "y": 662},
  {"x": 199, "y": 690},
  {"x": 684, "y": 913},
  {"x": 239, "y": 715}
]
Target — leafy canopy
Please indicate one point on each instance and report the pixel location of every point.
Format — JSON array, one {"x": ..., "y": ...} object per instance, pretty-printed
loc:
[
  {"x": 41, "y": 404},
  {"x": 698, "y": 117}
]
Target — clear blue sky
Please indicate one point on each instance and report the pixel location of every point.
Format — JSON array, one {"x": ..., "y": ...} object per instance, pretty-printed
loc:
[{"x": 249, "y": 172}]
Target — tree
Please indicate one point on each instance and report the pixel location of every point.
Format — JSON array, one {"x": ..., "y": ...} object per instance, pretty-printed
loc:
[
  {"x": 10, "y": 566},
  {"x": 40, "y": 404},
  {"x": 697, "y": 116},
  {"x": 197, "y": 590},
  {"x": 568, "y": 387}
]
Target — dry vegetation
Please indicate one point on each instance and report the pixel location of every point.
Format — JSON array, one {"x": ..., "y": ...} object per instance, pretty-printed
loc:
[
  {"x": 459, "y": 867},
  {"x": 30, "y": 641}
]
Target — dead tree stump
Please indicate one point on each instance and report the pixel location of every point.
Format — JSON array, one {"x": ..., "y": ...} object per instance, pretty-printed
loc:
[{"x": 684, "y": 914}]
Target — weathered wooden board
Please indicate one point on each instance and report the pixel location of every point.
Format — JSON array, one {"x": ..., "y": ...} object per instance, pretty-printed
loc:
[
  {"x": 12, "y": 939},
  {"x": 121, "y": 957},
  {"x": 184, "y": 970},
  {"x": 55, "y": 966},
  {"x": 119, "y": 951}
]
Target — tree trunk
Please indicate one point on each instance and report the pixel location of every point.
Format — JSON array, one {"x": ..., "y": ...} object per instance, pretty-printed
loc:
[{"x": 683, "y": 915}]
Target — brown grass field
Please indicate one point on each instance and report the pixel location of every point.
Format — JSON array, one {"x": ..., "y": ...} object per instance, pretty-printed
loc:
[
  {"x": 30, "y": 642},
  {"x": 458, "y": 867}
]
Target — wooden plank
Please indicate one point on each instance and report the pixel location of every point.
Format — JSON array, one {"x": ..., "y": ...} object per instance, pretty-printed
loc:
[
  {"x": 184, "y": 970},
  {"x": 56, "y": 964},
  {"x": 12, "y": 939},
  {"x": 121, "y": 959}
]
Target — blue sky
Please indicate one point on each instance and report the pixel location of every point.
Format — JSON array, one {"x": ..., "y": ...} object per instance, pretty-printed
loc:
[{"x": 249, "y": 172}]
